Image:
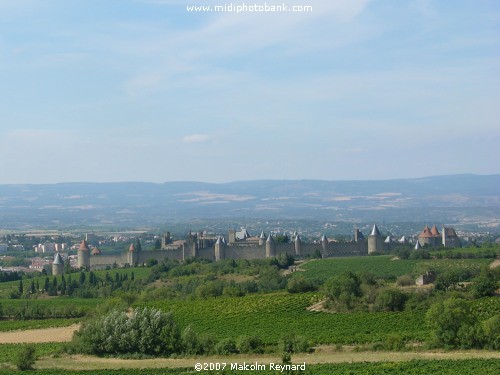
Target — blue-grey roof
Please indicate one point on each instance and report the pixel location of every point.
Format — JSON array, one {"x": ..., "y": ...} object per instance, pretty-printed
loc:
[
  {"x": 375, "y": 231},
  {"x": 58, "y": 260}
]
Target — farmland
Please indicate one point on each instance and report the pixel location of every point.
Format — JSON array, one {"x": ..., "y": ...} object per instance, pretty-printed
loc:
[
  {"x": 272, "y": 316},
  {"x": 387, "y": 267},
  {"x": 236, "y": 300},
  {"x": 416, "y": 367}
]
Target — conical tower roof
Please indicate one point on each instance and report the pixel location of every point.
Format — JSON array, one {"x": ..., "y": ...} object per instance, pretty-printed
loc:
[
  {"x": 434, "y": 231},
  {"x": 324, "y": 239},
  {"x": 297, "y": 238},
  {"x": 269, "y": 238},
  {"x": 83, "y": 246},
  {"x": 58, "y": 259},
  {"x": 218, "y": 241},
  {"x": 388, "y": 239},
  {"x": 417, "y": 246},
  {"x": 262, "y": 235},
  {"x": 96, "y": 251},
  {"x": 132, "y": 247},
  {"x": 375, "y": 231},
  {"x": 426, "y": 233}
]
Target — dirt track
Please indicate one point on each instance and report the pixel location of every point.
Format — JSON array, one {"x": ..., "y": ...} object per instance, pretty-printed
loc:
[
  {"x": 57, "y": 334},
  {"x": 324, "y": 354}
]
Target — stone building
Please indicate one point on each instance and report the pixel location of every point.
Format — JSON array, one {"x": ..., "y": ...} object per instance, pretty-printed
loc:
[
  {"x": 239, "y": 245},
  {"x": 432, "y": 238},
  {"x": 57, "y": 265}
]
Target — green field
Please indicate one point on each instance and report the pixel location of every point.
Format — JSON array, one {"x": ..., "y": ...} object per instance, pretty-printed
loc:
[
  {"x": 272, "y": 316},
  {"x": 383, "y": 267},
  {"x": 6, "y": 288},
  {"x": 12, "y": 325},
  {"x": 415, "y": 367},
  {"x": 8, "y": 351}
]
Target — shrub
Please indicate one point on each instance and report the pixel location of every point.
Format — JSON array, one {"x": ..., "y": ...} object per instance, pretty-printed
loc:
[
  {"x": 300, "y": 284},
  {"x": 394, "y": 342},
  {"x": 250, "y": 344},
  {"x": 452, "y": 322},
  {"x": 485, "y": 284},
  {"x": 226, "y": 346},
  {"x": 190, "y": 341},
  {"x": 390, "y": 300},
  {"x": 148, "y": 331},
  {"x": 207, "y": 344},
  {"x": 294, "y": 344},
  {"x": 491, "y": 331},
  {"x": 25, "y": 358},
  {"x": 405, "y": 280},
  {"x": 347, "y": 283}
]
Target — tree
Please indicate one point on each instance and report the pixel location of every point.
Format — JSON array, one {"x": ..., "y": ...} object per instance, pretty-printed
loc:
[
  {"x": 63, "y": 285},
  {"x": 137, "y": 245},
  {"x": 299, "y": 284},
  {"x": 485, "y": 284},
  {"x": 25, "y": 358},
  {"x": 343, "y": 290},
  {"x": 452, "y": 322},
  {"x": 21, "y": 288},
  {"x": 148, "y": 331},
  {"x": 82, "y": 278},
  {"x": 390, "y": 300},
  {"x": 347, "y": 283},
  {"x": 491, "y": 329},
  {"x": 281, "y": 238},
  {"x": 157, "y": 244}
]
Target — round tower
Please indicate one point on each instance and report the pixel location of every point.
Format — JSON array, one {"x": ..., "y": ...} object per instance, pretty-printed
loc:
[
  {"x": 84, "y": 256},
  {"x": 219, "y": 249},
  {"x": 375, "y": 242},
  {"x": 57, "y": 265},
  {"x": 132, "y": 255},
  {"x": 298, "y": 245},
  {"x": 262, "y": 238},
  {"x": 270, "y": 250},
  {"x": 324, "y": 244}
]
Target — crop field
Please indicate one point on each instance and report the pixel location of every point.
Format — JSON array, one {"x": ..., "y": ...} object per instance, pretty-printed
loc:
[
  {"x": 50, "y": 307},
  {"x": 12, "y": 325},
  {"x": 384, "y": 267},
  {"x": 8, "y": 351},
  {"x": 414, "y": 367},
  {"x": 272, "y": 316},
  {"x": 6, "y": 288}
]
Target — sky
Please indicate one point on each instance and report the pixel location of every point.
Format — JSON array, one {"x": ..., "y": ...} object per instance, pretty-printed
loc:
[{"x": 145, "y": 90}]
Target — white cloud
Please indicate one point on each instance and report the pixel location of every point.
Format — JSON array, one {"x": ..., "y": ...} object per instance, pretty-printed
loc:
[{"x": 196, "y": 138}]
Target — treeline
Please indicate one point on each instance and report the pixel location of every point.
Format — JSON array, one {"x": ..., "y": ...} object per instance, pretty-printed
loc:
[
  {"x": 36, "y": 311},
  {"x": 82, "y": 285},
  {"x": 151, "y": 332},
  {"x": 197, "y": 278},
  {"x": 363, "y": 292}
]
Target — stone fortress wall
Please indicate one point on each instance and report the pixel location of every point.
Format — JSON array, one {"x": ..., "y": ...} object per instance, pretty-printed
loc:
[
  {"x": 218, "y": 248},
  {"x": 240, "y": 245}
]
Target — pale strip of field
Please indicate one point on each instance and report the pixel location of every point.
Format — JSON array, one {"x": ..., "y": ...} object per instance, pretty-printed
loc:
[
  {"x": 56, "y": 334},
  {"x": 323, "y": 355}
]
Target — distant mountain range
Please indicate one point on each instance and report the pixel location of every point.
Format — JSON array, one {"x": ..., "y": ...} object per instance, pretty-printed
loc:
[{"x": 443, "y": 199}]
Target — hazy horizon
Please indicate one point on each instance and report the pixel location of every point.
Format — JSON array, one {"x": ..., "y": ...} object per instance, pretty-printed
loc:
[
  {"x": 145, "y": 90},
  {"x": 254, "y": 180}
]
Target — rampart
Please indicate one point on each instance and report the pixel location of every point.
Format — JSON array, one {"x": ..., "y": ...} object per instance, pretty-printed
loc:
[{"x": 217, "y": 249}]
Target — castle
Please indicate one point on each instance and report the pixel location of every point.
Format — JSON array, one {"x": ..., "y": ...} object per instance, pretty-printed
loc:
[
  {"x": 431, "y": 237},
  {"x": 241, "y": 245},
  {"x": 238, "y": 245}
]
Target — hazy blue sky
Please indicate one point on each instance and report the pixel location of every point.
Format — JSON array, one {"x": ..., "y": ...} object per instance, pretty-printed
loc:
[{"x": 142, "y": 90}]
